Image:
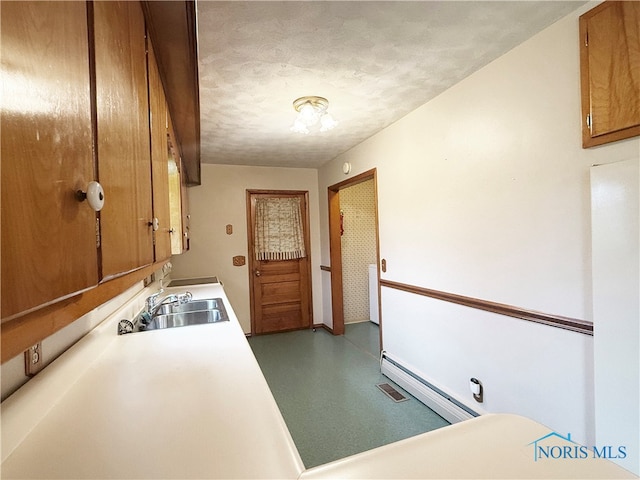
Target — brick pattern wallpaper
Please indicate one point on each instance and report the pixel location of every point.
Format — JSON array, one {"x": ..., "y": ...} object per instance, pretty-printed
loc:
[{"x": 358, "y": 248}]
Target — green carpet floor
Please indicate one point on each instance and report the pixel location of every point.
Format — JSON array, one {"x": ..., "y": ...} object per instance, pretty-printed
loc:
[{"x": 325, "y": 387}]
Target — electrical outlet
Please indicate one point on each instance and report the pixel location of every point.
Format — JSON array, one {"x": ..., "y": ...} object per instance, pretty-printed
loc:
[{"x": 33, "y": 361}]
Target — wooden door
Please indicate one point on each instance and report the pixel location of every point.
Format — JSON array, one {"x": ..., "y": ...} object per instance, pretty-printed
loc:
[
  {"x": 280, "y": 290},
  {"x": 48, "y": 237},
  {"x": 159, "y": 160},
  {"x": 123, "y": 136}
]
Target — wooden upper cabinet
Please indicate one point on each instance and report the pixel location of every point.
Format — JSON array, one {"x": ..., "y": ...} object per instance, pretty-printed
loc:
[
  {"x": 172, "y": 27},
  {"x": 123, "y": 136},
  {"x": 81, "y": 101},
  {"x": 159, "y": 159},
  {"x": 176, "y": 182},
  {"x": 610, "y": 72},
  {"x": 48, "y": 236}
]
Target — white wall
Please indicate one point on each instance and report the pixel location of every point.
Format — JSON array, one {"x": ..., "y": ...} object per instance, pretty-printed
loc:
[
  {"x": 221, "y": 200},
  {"x": 484, "y": 192},
  {"x": 13, "y": 371}
]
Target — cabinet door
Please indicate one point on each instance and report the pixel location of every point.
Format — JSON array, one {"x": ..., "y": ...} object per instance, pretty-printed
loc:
[
  {"x": 178, "y": 198},
  {"x": 610, "y": 72},
  {"x": 175, "y": 193},
  {"x": 186, "y": 215},
  {"x": 48, "y": 237},
  {"x": 123, "y": 136},
  {"x": 159, "y": 159}
]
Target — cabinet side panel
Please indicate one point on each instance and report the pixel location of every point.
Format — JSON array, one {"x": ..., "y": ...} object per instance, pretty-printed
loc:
[
  {"x": 48, "y": 237},
  {"x": 123, "y": 136},
  {"x": 615, "y": 223}
]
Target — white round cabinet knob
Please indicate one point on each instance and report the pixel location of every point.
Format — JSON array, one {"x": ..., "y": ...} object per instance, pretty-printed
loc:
[
  {"x": 154, "y": 224},
  {"x": 94, "y": 195}
]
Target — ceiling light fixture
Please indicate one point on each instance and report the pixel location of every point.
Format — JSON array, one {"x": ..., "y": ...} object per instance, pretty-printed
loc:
[{"x": 312, "y": 112}]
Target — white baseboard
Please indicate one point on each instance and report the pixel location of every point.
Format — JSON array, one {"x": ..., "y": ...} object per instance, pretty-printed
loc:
[{"x": 448, "y": 408}]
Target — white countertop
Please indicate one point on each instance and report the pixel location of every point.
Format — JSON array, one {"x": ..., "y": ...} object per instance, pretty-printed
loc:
[
  {"x": 493, "y": 446},
  {"x": 187, "y": 402}
]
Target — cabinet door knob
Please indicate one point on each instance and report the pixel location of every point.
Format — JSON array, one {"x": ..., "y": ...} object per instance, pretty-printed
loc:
[
  {"x": 257, "y": 273},
  {"x": 94, "y": 196},
  {"x": 154, "y": 223}
]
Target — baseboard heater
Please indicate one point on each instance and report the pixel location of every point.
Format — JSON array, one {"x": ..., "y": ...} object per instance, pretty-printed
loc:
[{"x": 437, "y": 400}]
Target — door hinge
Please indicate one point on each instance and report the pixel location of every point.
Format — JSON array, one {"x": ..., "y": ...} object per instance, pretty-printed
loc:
[
  {"x": 97, "y": 232},
  {"x": 588, "y": 119},
  {"x": 586, "y": 39}
]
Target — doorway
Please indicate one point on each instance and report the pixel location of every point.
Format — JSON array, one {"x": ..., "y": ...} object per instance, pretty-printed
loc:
[
  {"x": 339, "y": 268},
  {"x": 279, "y": 252}
]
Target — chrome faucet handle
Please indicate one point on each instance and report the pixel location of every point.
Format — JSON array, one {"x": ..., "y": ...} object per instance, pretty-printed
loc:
[
  {"x": 151, "y": 300},
  {"x": 185, "y": 297}
]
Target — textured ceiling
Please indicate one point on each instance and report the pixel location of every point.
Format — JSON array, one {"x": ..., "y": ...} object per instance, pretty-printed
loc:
[{"x": 374, "y": 61}]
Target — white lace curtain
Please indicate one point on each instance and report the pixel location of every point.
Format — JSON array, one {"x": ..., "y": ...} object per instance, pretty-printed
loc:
[{"x": 279, "y": 234}]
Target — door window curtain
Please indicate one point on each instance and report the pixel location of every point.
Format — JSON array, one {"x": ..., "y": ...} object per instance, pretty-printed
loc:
[{"x": 279, "y": 234}]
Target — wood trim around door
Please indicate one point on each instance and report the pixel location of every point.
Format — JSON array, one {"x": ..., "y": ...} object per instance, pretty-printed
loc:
[
  {"x": 250, "y": 241},
  {"x": 335, "y": 247},
  {"x": 335, "y": 255}
]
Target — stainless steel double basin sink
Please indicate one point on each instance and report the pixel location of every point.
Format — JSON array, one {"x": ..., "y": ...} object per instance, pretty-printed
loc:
[{"x": 194, "y": 312}]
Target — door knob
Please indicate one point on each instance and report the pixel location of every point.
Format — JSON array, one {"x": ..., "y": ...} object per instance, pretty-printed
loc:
[
  {"x": 257, "y": 272},
  {"x": 94, "y": 195}
]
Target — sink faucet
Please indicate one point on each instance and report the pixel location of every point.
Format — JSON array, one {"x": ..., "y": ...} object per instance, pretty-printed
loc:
[
  {"x": 152, "y": 304},
  {"x": 151, "y": 300},
  {"x": 172, "y": 298}
]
